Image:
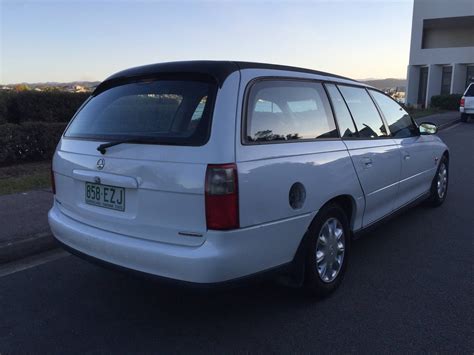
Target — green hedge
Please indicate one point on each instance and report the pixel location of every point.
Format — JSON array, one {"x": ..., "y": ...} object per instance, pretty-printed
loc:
[
  {"x": 34, "y": 106},
  {"x": 446, "y": 102},
  {"x": 30, "y": 141}
]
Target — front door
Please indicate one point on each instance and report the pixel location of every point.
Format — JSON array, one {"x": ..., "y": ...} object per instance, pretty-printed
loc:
[
  {"x": 376, "y": 157},
  {"x": 377, "y": 163},
  {"x": 416, "y": 151}
]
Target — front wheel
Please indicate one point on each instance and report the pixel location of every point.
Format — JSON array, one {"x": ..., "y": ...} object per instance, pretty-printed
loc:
[
  {"x": 439, "y": 186},
  {"x": 328, "y": 251}
]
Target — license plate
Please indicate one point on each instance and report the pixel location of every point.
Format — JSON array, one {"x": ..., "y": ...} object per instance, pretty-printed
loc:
[{"x": 105, "y": 196}]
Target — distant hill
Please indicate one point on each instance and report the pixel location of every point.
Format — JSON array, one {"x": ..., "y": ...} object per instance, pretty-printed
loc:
[
  {"x": 73, "y": 86},
  {"x": 386, "y": 83},
  {"x": 58, "y": 84}
]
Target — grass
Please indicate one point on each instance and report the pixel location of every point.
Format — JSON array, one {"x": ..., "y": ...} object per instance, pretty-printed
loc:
[{"x": 24, "y": 177}]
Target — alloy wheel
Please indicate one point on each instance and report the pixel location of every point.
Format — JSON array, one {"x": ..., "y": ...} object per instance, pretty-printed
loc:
[
  {"x": 330, "y": 248},
  {"x": 442, "y": 181}
]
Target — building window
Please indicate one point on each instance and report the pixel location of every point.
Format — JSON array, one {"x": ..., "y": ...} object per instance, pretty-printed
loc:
[
  {"x": 446, "y": 80},
  {"x": 423, "y": 83},
  {"x": 448, "y": 32},
  {"x": 469, "y": 75}
]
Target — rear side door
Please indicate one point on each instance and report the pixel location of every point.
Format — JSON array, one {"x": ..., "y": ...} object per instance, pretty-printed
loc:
[
  {"x": 289, "y": 156},
  {"x": 374, "y": 153},
  {"x": 417, "y": 151}
]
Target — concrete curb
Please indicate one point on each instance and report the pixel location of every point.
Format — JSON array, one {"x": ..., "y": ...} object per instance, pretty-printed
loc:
[
  {"x": 18, "y": 249},
  {"x": 449, "y": 124}
]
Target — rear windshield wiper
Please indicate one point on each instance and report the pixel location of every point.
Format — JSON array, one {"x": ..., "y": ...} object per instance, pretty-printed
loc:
[{"x": 103, "y": 147}]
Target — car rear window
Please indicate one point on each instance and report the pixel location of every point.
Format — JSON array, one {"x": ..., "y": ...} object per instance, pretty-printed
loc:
[
  {"x": 168, "y": 111},
  {"x": 470, "y": 90}
]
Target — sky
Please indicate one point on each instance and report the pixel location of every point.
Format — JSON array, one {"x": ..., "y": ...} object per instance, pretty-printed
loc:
[{"x": 72, "y": 40}]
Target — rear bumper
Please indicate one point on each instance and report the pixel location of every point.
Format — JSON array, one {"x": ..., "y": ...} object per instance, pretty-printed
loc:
[
  {"x": 224, "y": 256},
  {"x": 468, "y": 111}
]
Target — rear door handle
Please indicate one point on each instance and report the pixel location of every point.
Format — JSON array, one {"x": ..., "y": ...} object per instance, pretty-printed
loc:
[
  {"x": 99, "y": 177},
  {"x": 367, "y": 162}
]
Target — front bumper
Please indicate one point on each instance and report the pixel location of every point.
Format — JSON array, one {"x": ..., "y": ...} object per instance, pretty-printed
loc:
[{"x": 224, "y": 256}]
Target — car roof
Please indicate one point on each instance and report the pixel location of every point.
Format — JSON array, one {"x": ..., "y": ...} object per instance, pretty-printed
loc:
[{"x": 219, "y": 70}]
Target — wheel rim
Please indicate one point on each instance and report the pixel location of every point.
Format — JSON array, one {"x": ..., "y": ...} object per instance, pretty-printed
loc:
[
  {"x": 442, "y": 181},
  {"x": 330, "y": 248}
]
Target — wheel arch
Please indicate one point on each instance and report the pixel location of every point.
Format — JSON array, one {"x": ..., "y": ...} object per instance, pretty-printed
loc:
[
  {"x": 348, "y": 204},
  {"x": 446, "y": 154}
]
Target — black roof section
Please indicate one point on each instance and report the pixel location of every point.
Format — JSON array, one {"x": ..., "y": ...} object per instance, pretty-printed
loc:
[{"x": 218, "y": 70}]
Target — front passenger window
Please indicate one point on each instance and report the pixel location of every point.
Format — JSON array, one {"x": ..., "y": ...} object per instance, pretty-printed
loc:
[
  {"x": 365, "y": 114},
  {"x": 399, "y": 121}
]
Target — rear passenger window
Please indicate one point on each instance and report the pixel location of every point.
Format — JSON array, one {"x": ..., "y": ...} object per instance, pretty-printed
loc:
[
  {"x": 365, "y": 114},
  {"x": 343, "y": 116},
  {"x": 288, "y": 111},
  {"x": 399, "y": 121}
]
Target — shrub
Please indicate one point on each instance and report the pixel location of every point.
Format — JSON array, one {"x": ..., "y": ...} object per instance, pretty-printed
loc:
[
  {"x": 30, "y": 141},
  {"x": 5, "y": 100},
  {"x": 446, "y": 102},
  {"x": 53, "y": 106}
]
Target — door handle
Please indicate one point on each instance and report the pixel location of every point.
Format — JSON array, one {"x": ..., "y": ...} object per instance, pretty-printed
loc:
[
  {"x": 406, "y": 156},
  {"x": 367, "y": 162}
]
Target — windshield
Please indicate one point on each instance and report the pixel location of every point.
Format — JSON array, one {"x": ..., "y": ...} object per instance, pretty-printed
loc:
[{"x": 165, "y": 111}]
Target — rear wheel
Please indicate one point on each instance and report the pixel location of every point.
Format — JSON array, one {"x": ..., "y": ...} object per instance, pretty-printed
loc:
[
  {"x": 464, "y": 117},
  {"x": 328, "y": 250},
  {"x": 439, "y": 186}
]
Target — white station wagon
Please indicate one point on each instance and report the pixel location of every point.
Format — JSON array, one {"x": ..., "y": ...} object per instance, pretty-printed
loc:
[{"x": 206, "y": 172}]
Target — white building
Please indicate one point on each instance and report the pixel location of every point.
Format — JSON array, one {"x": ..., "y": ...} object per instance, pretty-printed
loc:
[{"x": 442, "y": 49}]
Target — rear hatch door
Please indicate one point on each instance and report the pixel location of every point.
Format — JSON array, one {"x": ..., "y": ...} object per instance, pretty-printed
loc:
[{"x": 149, "y": 181}]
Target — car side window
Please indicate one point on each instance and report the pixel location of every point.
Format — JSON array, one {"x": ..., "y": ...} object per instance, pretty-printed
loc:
[
  {"x": 343, "y": 116},
  {"x": 286, "y": 110},
  {"x": 399, "y": 121},
  {"x": 363, "y": 110}
]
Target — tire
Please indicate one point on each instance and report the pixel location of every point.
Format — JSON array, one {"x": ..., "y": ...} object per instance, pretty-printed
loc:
[
  {"x": 464, "y": 117},
  {"x": 320, "y": 281},
  {"x": 438, "y": 193}
]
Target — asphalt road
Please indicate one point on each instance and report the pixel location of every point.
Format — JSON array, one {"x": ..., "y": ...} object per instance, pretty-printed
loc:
[{"x": 409, "y": 287}]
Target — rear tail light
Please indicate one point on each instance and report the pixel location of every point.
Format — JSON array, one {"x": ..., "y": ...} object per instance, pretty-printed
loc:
[
  {"x": 53, "y": 183},
  {"x": 462, "y": 102},
  {"x": 222, "y": 198}
]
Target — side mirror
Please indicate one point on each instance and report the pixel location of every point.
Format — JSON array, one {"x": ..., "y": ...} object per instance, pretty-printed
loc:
[{"x": 428, "y": 128}]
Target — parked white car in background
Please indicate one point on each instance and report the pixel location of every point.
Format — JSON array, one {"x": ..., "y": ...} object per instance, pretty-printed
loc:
[
  {"x": 467, "y": 103},
  {"x": 206, "y": 172}
]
